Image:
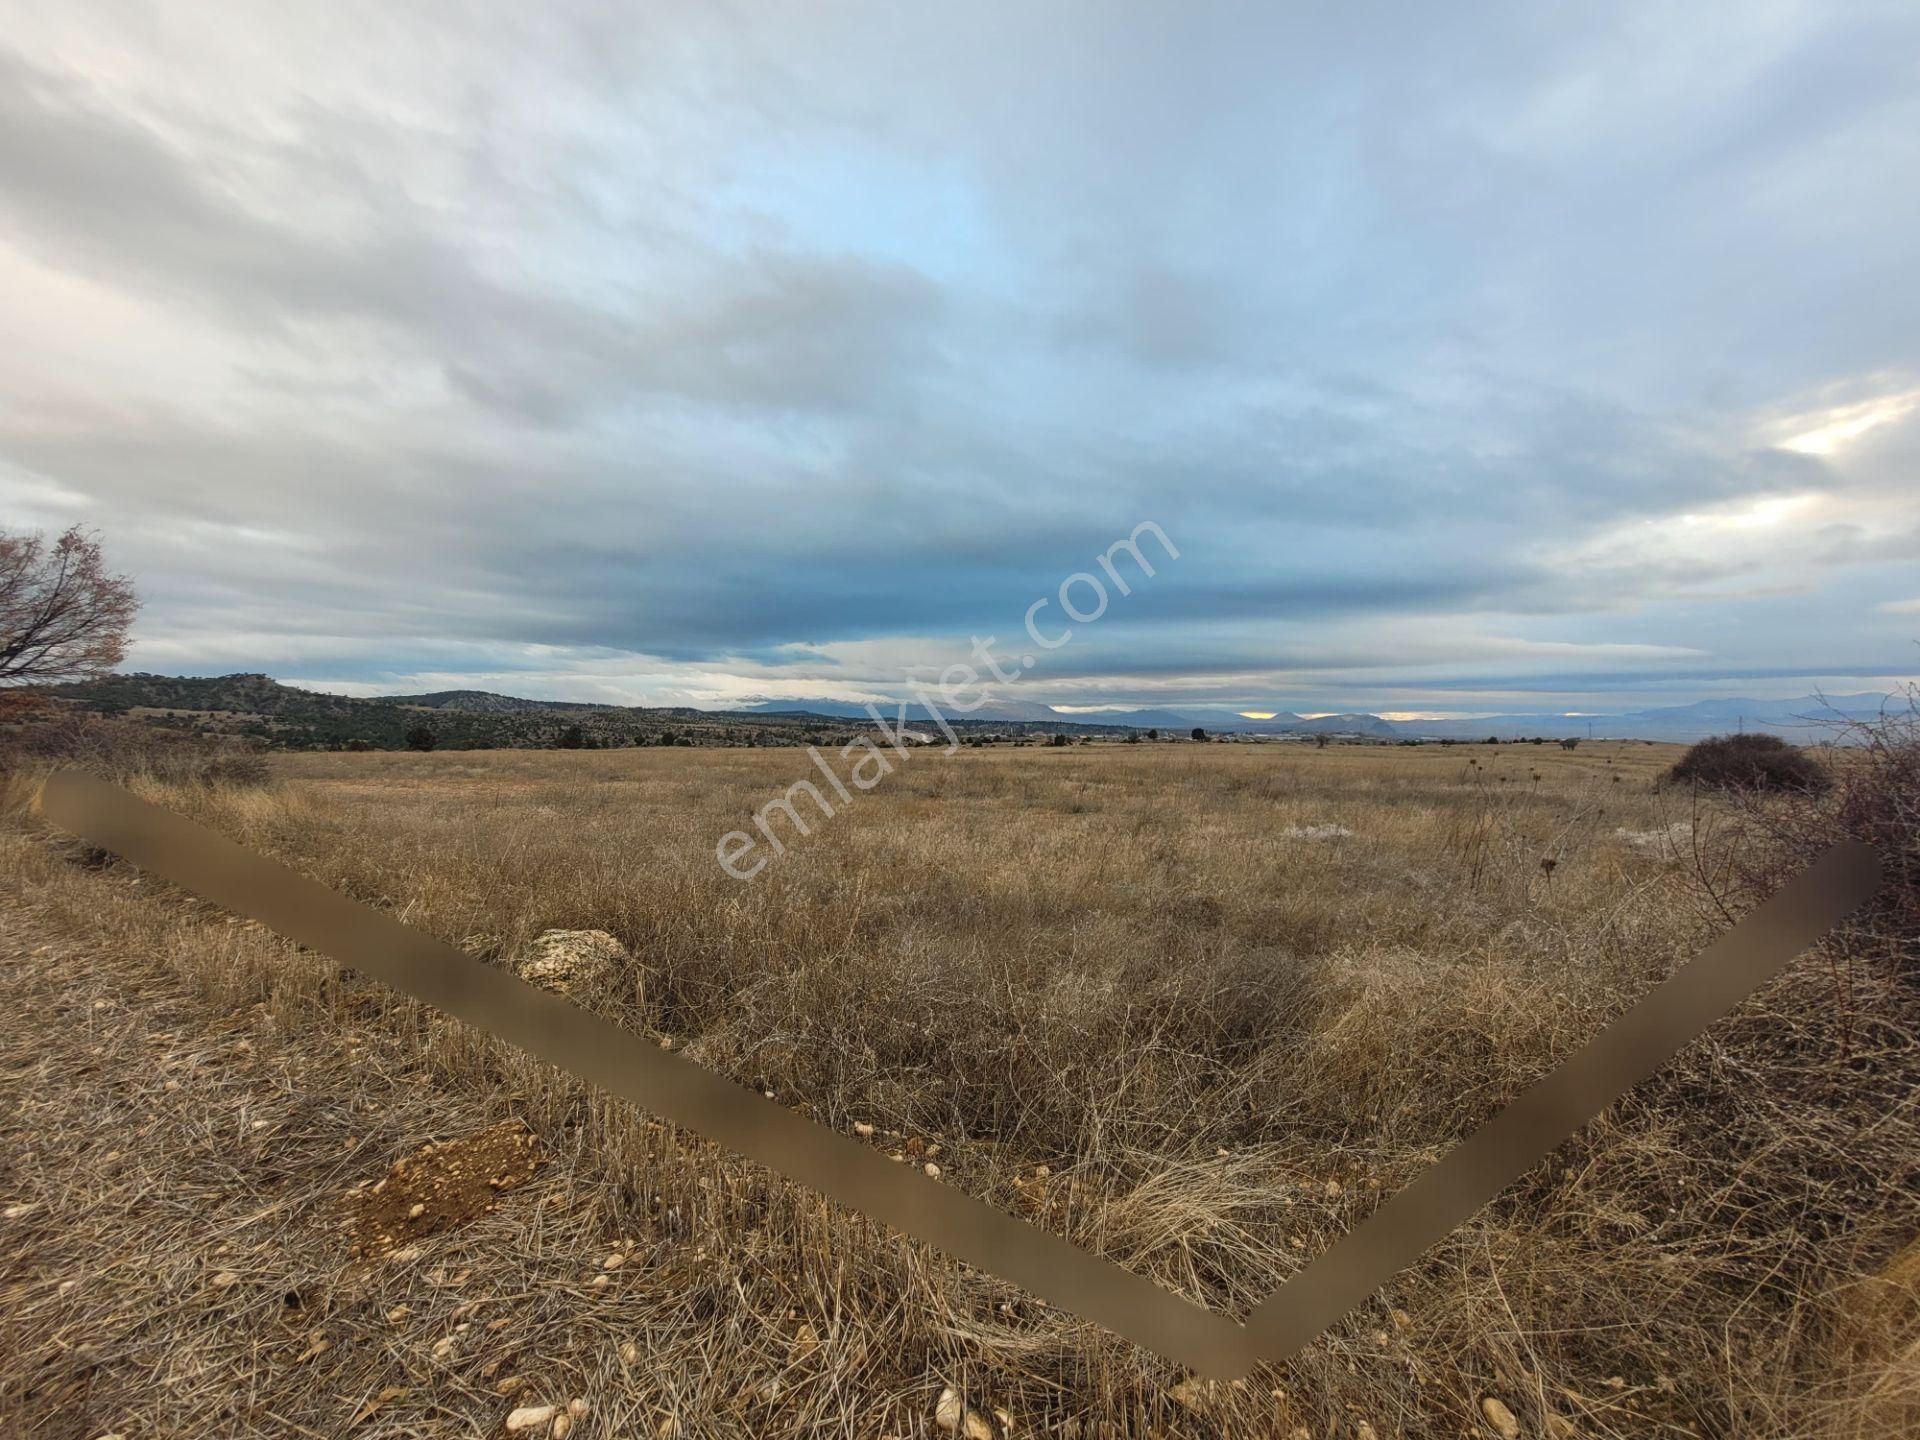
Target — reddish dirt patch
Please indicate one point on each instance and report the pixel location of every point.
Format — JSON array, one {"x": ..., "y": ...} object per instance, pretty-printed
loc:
[{"x": 439, "y": 1186}]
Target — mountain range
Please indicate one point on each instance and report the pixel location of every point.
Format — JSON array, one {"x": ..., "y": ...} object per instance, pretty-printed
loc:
[
  {"x": 292, "y": 716},
  {"x": 1809, "y": 717}
]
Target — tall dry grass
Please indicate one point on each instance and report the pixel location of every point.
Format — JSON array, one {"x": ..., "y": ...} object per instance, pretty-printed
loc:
[{"x": 1151, "y": 997}]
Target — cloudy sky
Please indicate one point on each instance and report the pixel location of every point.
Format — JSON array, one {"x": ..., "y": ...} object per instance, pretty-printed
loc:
[{"x": 688, "y": 354}]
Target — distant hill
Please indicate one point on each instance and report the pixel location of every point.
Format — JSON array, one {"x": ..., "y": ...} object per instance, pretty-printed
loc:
[
  {"x": 475, "y": 702},
  {"x": 288, "y": 717}
]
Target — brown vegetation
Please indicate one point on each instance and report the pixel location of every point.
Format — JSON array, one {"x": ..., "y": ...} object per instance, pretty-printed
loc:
[
  {"x": 1196, "y": 1007},
  {"x": 1750, "y": 762},
  {"x": 62, "y": 615}
]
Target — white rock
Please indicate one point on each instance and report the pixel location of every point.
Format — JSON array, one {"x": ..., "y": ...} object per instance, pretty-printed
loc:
[
  {"x": 1189, "y": 1393},
  {"x": 530, "y": 1417},
  {"x": 953, "y": 1417},
  {"x": 575, "y": 961},
  {"x": 1500, "y": 1417},
  {"x": 1316, "y": 832}
]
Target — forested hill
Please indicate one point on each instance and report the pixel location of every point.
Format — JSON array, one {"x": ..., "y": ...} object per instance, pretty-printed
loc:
[{"x": 288, "y": 717}]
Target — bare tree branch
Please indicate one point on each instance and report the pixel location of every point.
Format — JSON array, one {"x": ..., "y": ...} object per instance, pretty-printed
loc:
[{"x": 62, "y": 615}]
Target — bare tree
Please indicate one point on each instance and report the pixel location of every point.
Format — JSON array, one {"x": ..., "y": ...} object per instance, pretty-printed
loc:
[{"x": 62, "y": 616}]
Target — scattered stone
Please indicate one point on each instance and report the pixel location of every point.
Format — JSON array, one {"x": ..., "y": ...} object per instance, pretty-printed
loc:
[
  {"x": 562, "y": 1426},
  {"x": 863, "y": 1129},
  {"x": 1316, "y": 832},
  {"x": 577, "y": 1408},
  {"x": 951, "y": 1415},
  {"x": 530, "y": 1417},
  {"x": 614, "y": 1261},
  {"x": 574, "y": 962},
  {"x": 1190, "y": 1393},
  {"x": 225, "y": 1279},
  {"x": 1500, "y": 1417},
  {"x": 932, "y": 1170}
]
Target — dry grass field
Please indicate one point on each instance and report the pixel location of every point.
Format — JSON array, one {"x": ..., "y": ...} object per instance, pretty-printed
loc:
[{"x": 1197, "y": 1007}]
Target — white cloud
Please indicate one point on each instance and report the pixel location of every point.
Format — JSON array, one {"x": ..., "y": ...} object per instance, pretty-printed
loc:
[{"x": 1832, "y": 431}]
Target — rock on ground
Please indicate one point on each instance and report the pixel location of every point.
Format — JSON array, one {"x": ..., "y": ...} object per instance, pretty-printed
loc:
[{"x": 574, "y": 961}]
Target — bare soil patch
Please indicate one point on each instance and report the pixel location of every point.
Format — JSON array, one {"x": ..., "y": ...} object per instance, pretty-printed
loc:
[{"x": 440, "y": 1186}]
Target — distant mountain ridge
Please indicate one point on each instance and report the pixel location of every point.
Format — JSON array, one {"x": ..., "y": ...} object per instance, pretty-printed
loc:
[
  {"x": 251, "y": 703},
  {"x": 1210, "y": 719},
  {"x": 1806, "y": 719}
]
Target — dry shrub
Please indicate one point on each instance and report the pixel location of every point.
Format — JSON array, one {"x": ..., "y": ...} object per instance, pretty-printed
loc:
[
  {"x": 1750, "y": 762},
  {"x": 123, "y": 750}
]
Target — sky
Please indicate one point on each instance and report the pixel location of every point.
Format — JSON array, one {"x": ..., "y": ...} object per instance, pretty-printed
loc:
[{"x": 1520, "y": 359}]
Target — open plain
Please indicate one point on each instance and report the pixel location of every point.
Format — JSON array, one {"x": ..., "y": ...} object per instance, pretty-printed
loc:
[{"x": 1197, "y": 1007}]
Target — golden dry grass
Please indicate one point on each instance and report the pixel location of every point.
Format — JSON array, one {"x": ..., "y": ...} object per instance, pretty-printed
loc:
[{"x": 1143, "y": 995}]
